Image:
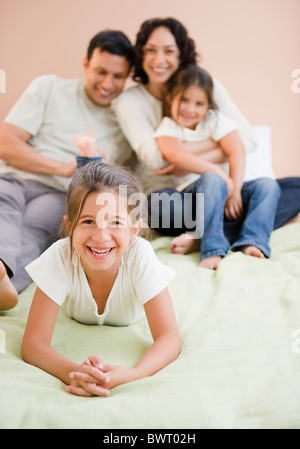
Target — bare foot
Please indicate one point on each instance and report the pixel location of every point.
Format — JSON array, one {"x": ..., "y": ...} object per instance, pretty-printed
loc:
[
  {"x": 210, "y": 262},
  {"x": 250, "y": 250},
  {"x": 184, "y": 244},
  {"x": 8, "y": 293}
]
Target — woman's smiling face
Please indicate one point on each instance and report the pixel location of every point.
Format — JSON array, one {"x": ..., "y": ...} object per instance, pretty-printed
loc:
[{"x": 161, "y": 55}]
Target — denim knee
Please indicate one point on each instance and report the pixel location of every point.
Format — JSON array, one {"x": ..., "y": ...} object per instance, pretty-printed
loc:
[
  {"x": 211, "y": 181},
  {"x": 269, "y": 186}
]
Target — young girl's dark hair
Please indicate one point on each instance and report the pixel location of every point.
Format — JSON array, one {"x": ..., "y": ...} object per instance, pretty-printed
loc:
[
  {"x": 184, "y": 43},
  {"x": 191, "y": 76},
  {"x": 98, "y": 177}
]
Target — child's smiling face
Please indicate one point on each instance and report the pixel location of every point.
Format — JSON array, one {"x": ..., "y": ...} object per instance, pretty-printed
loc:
[
  {"x": 188, "y": 108},
  {"x": 103, "y": 232}
]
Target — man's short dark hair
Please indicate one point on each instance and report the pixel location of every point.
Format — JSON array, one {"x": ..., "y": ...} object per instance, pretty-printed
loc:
[{"x": 114, "y": 42}]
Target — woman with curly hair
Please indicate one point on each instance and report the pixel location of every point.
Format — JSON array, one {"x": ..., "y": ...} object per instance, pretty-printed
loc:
[{"x": 163, "y": 47}]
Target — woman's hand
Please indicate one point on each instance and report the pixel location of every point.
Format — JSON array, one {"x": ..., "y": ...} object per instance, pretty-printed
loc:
[{"x": 89, "y": 379}]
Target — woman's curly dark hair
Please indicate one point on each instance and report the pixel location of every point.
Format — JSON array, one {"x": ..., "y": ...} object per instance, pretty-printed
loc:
[{"x": 184, "y": 43}]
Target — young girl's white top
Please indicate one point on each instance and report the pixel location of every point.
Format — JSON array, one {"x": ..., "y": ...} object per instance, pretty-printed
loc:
[
  {"x": 214, "y": 126},
  {"x": 141, "y": 276}
]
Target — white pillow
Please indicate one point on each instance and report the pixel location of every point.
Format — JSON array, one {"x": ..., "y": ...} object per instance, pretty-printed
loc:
[{"x": 259, "y": 161}]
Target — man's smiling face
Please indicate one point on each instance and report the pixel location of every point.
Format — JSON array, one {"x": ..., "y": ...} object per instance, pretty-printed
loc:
[{"x": 105, "y": 76}]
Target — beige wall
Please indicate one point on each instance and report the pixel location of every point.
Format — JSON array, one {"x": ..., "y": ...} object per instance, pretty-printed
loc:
[{"x": 251, "y": 46}]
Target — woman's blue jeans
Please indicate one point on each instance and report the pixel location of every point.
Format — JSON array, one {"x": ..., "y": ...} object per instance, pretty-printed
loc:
[{"x": 200, "y": 209}]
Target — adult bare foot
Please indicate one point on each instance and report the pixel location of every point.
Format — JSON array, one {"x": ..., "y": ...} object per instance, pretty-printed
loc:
[
  {"x": 8, "y": 293},
  {"x": 210, "y": 262},
  {"x": 184, "y": 244},
  {"x": 250, "y": 250}
]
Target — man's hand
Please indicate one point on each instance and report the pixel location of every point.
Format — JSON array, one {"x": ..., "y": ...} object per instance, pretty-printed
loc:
[
  {"x": 67, "y": 170},
  {"x": 15, "y": 150}
]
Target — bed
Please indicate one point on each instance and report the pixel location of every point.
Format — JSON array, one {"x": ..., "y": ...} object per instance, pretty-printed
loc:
[{"x": 239, "y": 367}]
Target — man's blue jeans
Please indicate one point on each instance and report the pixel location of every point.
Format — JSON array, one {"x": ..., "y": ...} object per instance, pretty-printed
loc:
[{"x": 205, "y": 205}]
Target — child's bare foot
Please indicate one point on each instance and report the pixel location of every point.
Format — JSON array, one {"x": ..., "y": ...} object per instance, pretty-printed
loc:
[
  {"x": 210, "y": 262},
  {"x": 184, "y": 244},
  {"x": 8, "y": 293},
  {"x": 250, "y": 250}
]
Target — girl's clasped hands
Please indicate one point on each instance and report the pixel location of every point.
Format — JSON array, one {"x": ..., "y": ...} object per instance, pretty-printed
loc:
[
  {"x": 95, "y": 379},
  {"x": 89, "y": 379}
]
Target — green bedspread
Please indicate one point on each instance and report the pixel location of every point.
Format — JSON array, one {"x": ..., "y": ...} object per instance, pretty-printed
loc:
[{"x": 240, "y": 360}]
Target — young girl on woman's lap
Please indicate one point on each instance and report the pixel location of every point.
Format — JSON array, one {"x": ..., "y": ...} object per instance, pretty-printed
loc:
[
  {"x": 194, "y": 117},
  {"x": 102, "y": 273}
]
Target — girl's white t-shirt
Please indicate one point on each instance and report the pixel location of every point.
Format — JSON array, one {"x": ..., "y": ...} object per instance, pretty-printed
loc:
[
  {"x": 214, "y": 126},
  {"x": 139, "y": 114},
  {"x": 141, "y": 276}
]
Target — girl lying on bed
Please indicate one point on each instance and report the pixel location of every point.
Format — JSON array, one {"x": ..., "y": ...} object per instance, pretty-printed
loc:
[{"x": 102, "y": 273}]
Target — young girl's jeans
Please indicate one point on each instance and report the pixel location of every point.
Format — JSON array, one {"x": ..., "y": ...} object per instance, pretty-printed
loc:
[
  {"x": 215, "y": 233},
  {"x": 83, "y": 160}
]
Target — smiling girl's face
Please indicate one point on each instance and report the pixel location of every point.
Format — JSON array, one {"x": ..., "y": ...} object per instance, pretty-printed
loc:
[
  {"x": 189, "y": 107},
  {"x": 103, "y": 232}
]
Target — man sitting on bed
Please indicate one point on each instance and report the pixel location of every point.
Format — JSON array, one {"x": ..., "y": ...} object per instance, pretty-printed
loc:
[{"x": 38, "y": 152}]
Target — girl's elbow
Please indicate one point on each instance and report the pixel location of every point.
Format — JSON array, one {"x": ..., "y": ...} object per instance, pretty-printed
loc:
[
  {"x": 27, "y": 350},
  {"x": 170, "y": 157},
  {"x": 177, "y": 351},
  {"x": 24, "y": 351},
  {"x": 167, "y": 153},
  {"x": 177, "y": 345}
]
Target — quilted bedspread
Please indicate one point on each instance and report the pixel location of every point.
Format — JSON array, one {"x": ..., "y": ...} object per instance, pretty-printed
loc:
[{"x": 239, "y": 366}]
